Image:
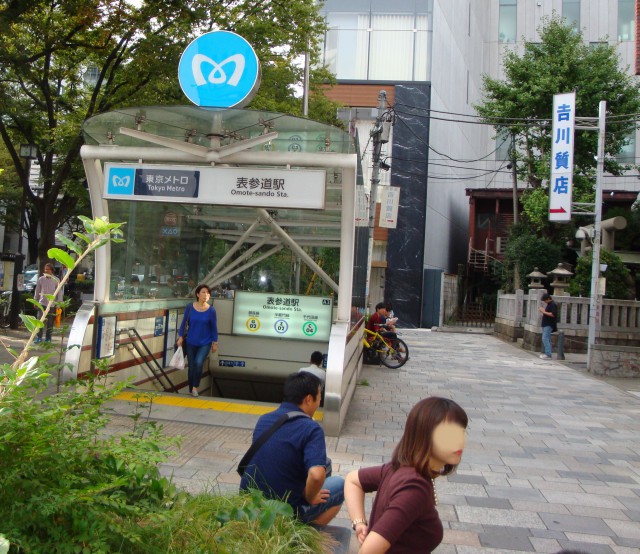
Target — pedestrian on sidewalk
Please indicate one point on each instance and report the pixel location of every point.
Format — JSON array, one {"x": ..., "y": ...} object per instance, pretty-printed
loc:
[
  {"x": 199, "y": 329},
  {"x": 549, "y": 324},
  {"x": 316, "y": 367},
  {"x": 404, "y": 516},
  {"x": 291, "y": 463},
  {"x": 47, "y": 285}
]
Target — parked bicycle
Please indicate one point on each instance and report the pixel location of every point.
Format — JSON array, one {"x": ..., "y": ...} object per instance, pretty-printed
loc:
[
  {"x": 390, "y": 352},
  {"x": 5, "y": 309}
]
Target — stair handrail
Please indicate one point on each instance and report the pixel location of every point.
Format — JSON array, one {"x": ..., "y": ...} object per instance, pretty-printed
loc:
[{"x": 136, "y": 336}]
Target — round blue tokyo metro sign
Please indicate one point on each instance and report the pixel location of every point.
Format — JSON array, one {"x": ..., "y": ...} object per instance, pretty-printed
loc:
[{"x": 219, "y": 70}]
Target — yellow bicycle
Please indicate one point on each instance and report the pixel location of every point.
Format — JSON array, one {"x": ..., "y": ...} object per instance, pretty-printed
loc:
[{"x": 390, "y": 352}]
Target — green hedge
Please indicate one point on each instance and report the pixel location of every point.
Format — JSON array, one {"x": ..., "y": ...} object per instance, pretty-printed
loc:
[{"x": 67, "y": 486}]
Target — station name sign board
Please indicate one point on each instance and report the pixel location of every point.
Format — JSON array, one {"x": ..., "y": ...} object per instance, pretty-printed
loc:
[
  {"x": 282, "y": 316},
  {"x": 232, "y": 186}
]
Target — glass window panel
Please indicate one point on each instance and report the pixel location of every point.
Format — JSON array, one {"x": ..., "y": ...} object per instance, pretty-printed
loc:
[
  {"x": 167, "y": 266},
  {"x": 627, "y": 154},
  {"x": 170, "y": 255},
  {"x": 337, "y": 6},
  {"x": 507, "y": 25},
  {"x": 399, "y": 6},
  {"x": 503, "y": 146},
  {"x": 422, "y": 58},
  {"x": 346, "y": 45},
  {"x": 626, "y": 20},
  {"x": 571, "y": 13},
  {"x": 392, "y": 43}
]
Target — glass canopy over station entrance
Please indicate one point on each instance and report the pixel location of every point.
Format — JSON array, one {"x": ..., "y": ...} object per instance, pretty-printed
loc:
[{"x": 259, "y": 206}]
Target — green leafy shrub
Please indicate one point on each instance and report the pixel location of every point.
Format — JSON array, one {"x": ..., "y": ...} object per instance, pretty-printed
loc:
[
  {"x": 85, "y": 286},
  {"x": 619, "y": 281},
  {"x": 241, "y": 523},
  {"x": 67, "y": 487},
  {"x": 527, "y": 250}
]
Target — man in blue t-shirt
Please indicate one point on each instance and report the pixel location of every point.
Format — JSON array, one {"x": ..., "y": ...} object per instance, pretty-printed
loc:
[{"x": 291, "y": 464}]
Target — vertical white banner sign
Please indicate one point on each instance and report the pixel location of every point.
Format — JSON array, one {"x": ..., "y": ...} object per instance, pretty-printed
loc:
[
  {"x": 389, "y": 207},
  {"x": 561, "y": 183},
  {"x": 362, "y": 208}
]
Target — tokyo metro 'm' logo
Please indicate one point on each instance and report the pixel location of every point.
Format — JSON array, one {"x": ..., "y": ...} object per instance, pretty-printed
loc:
[
  {"x": 217, "y": 75},
  {"x": 120, "y": 180},
  {"x": 206, "y": 75}
]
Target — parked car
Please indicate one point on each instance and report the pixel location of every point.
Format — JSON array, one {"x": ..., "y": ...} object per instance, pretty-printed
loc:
[{"x": 30, "y": 281}]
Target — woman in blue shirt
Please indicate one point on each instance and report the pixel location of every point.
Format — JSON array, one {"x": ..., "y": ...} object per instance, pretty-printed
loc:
[{"x": 201, "y": 325}]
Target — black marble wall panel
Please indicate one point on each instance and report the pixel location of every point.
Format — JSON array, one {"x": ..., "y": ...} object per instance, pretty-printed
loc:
[{"x": 409, "y": 157}]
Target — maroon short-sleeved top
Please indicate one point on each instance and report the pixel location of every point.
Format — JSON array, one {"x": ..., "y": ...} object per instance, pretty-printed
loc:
[{"x": 404, "y": 510}]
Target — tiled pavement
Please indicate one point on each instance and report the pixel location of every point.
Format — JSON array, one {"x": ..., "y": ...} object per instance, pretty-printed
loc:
[{"x": 552, "y": 459}]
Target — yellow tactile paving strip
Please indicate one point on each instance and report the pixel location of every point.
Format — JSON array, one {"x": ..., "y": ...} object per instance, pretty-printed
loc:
[{"x": 201, "y": 403}]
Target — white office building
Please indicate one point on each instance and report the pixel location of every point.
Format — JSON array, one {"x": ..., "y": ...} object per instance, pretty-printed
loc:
[{"x": 430, "y": 56}]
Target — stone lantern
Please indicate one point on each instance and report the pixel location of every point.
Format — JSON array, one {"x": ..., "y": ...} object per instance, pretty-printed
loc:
[
  {"x": 560, "y": 280},
  {"x": 535, "y": 278}
]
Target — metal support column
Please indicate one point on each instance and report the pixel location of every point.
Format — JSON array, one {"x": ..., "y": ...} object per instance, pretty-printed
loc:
[
  {"x": 376, "y": 135},
  {"x": 347, "y": 238},
  {"x": 594, "y": 304},
  {"x": 296, "y": 248}
]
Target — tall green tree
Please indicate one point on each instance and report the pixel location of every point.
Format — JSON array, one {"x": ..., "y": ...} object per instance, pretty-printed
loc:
[
  {"x": 520, "y": 105},
  {"x": 62, "y": 62}
]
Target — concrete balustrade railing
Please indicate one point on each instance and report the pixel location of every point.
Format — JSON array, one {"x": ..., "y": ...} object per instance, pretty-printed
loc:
[{"x": 518, "y": 317}]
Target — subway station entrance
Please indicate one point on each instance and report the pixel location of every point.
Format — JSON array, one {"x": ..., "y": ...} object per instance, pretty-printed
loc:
[{"x": 260, "y": 207}]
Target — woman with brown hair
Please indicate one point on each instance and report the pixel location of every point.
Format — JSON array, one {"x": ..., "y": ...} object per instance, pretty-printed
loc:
[
  {"x": 404, "y": 518},
  {"x": 199, "y": 328}
]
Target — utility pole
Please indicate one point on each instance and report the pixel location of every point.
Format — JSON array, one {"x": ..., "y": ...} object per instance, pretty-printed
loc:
[
  {"x": 305, "y": 91},
  {"x": 379, "y": 136},
  {"x": 516, "y": 218},
  {"x": 28, "y": 152},
  {"x": 514, "y": 175},
  {"x": 594, "y": 304}
]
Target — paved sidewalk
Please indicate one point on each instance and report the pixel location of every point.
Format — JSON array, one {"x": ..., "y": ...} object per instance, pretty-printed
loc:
[{"x": 552, "y": 460}]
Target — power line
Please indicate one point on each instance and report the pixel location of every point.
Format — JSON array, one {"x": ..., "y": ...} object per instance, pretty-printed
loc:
[
  {"x": 497, "y": 170},
  {"x": 446, "y": 155},
  {"x": 485, "y": 120},
  {"x": 465, "y": 229},
  {"x": 516, "y": 119},
  {"x": 444, "y": 165},
  {"x": 428, "y": 146},
  {"x": 467, "y": 161},
  {"x": 444, "y": 177}
]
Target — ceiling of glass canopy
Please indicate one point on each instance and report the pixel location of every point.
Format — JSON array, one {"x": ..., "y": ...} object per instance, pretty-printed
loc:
[
  {"x": 203, "y": 126},
  {"x": 213, "y": 128}
]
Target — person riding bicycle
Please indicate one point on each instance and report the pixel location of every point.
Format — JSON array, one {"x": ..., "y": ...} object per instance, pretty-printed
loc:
[{"x": 379, "y": 322}]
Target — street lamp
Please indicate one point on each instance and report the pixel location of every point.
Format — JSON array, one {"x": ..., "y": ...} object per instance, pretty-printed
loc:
[{"x": 28, "y": 152}]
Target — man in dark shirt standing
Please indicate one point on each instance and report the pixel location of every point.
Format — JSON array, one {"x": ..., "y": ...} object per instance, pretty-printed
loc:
[
  {"x": 549, "y": 324},
  {"x": 291, "y": 464}
]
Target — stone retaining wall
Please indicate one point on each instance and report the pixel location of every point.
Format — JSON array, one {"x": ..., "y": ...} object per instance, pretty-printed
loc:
[{"x": 615, "y": 361}]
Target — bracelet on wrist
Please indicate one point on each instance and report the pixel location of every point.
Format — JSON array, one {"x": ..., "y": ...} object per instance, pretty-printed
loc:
[{"x": 356, "y": 522}]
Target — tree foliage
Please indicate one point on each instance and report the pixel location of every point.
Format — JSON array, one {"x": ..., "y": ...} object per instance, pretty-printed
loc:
[
  {"x": 521, "y": 105},
  {"x": 527, "y": 250},
  {"x": 619, "y": 281},
  {"x": 63, "y": 62}
]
